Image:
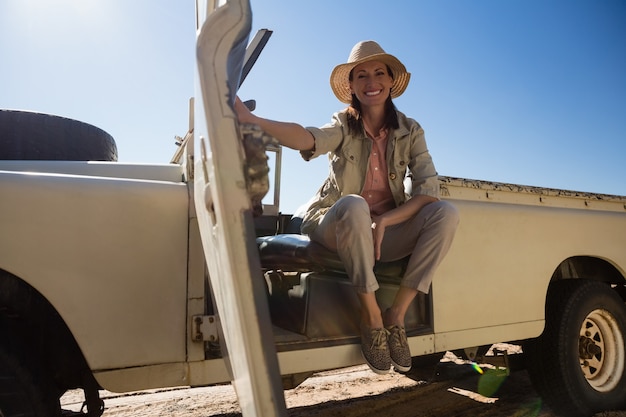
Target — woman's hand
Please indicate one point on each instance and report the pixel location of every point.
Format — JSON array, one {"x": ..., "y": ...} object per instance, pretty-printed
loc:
[
  {"x": 292, "y": 135},
  {"x": 244, "y": 115},
  {"x": 395, "y": 216},
  {"x": 378, "y": 232}
]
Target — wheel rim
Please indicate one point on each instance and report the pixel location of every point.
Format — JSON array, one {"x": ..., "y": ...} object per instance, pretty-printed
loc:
[{"x": 601, "y": 350}]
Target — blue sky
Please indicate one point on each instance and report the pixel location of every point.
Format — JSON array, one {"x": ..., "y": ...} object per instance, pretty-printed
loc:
[{"x": 521, "y": 91}]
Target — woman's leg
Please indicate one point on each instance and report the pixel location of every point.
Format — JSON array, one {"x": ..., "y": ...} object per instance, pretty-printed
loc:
[
  {"x": 371, "y": 315},
  {"x": 395, "y": 314},
  {"x": 433, "y": 230},
  {"x": 346, "y": 229},
  {"x": 427, "y": 238}
]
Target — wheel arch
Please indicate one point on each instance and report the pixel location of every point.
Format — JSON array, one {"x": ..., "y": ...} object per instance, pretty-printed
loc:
[
  {"x": 589, "y": 268},
  {"x": 592, "y": 268},
  {"x": 30, "y": 323}
]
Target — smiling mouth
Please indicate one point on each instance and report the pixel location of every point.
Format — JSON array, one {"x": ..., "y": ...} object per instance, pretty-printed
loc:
[{"x": 373, "y": 93}]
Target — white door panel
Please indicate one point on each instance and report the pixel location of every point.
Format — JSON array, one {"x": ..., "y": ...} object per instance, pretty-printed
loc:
[{"x": 225, "y": 213}]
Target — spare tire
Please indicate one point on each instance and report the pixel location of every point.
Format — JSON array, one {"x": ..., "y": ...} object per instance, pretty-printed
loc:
[{"x": 28, "y": 135}]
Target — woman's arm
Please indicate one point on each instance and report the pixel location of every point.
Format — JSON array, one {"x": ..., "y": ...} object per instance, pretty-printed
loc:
[{"x": 292, "y": 135}]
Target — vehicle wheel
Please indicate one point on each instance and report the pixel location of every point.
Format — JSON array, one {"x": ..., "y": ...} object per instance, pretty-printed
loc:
[
  {"x": 38, "y": 136},
  {"x": 22, "y": 392},
  {"x": 578, "y": 364}
]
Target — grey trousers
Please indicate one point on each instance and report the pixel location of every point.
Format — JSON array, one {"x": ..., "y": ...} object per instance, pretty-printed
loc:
[{"x": 427, "y": 236}]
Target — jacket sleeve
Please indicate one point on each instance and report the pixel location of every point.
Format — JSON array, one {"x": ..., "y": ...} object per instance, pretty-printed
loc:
[
  {"x": 422, "y": 172},
  {"x": 327, "y": 138}
]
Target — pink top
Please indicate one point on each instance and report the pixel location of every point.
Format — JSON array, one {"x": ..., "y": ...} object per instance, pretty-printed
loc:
[{"x": 376, "y": 190}]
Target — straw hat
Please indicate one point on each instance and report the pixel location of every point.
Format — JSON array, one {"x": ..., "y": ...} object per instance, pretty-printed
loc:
[{"x": 362, "y": 52}]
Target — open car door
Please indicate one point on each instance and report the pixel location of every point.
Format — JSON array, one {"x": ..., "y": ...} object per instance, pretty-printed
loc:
[{"x": 225, "y": 212}]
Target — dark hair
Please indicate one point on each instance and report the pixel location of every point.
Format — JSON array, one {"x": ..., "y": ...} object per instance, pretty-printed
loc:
[{"x": 355, "y": 123}]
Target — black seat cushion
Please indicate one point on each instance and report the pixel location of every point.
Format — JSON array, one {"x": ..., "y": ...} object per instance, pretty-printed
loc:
[{"x": 297, "y": 253}]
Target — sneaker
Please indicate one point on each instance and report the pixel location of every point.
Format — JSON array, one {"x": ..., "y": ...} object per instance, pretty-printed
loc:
[
  {"x": 399, "y": 348},
  {"x": 375, "y": 349}
]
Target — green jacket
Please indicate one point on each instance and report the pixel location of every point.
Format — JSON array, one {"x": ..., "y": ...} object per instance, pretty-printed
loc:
[{"x": 407, "y": 158}]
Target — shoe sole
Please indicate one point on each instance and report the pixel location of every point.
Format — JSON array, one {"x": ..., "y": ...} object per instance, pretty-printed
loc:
[
  {"x": 400, "y": 368},
  {"x": 375, "y": 370}
]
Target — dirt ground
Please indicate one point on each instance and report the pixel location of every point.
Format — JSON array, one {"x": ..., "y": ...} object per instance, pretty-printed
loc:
[{"x": 451, "y": 389}]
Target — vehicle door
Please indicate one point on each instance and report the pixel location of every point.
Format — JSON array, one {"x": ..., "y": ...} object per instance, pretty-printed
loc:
[{"x": 225, "y": 212}]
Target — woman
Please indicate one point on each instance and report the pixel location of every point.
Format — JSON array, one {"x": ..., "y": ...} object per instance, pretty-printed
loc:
[{"x": 362, "y": 210}]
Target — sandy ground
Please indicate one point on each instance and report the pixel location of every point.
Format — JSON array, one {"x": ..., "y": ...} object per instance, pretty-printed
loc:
[{"x": 451, "y": 390}]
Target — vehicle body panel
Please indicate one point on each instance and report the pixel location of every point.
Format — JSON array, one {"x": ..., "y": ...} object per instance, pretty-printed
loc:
[
  {"x": 508, "y": 246},
  {"x": 155, "y": 172},
  {"x": 109, "y": 254}
]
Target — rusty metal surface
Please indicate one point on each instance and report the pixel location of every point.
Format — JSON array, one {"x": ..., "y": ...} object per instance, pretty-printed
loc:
[{"x": 459, "y": 187}]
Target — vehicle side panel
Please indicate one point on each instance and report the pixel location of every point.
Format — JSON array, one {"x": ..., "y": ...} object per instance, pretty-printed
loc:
[
  {"x": 504, "y": 255},
  {"x": 109, "y": 254}
]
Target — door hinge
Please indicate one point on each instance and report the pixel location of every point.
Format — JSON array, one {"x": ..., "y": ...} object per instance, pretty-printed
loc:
[{"x": 204, "y": 329}]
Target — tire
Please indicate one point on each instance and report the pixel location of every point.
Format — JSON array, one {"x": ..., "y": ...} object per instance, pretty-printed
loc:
[
  {"x": 37, "y": 136},
  {"x": 578, "y": 364},
  {"x": 22, "y": 392}
]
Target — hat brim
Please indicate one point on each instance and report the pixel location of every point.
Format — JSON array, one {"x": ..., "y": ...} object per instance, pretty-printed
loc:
[{"x": 340, "y": 83}]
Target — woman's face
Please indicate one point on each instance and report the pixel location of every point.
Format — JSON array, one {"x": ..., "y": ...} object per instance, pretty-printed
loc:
[{"x": 371, "y": 83}]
